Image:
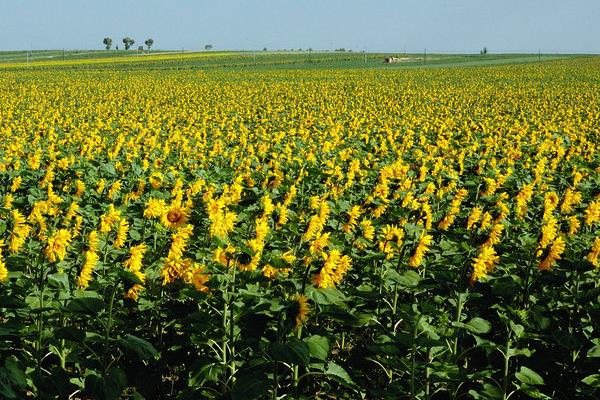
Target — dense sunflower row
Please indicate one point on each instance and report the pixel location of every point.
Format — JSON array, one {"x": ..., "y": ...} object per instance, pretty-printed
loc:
[{"x": 384, "y": 233}]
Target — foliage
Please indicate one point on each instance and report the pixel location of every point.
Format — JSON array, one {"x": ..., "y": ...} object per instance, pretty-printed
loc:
[
  {"x": 128, "y": 42},
  {"x": 381, "y": 234},
  {"x": 107, "y": 42}
]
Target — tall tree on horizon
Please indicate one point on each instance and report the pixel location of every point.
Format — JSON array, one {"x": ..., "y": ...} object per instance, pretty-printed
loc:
[
  {"x": 107, "y": 42},
  {"x": 128, "y": 42},
  {"x": 149, "y": 42}
]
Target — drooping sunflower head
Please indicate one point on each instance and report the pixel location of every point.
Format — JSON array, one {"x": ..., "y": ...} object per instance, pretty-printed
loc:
[{"x": 300, "y": 309}]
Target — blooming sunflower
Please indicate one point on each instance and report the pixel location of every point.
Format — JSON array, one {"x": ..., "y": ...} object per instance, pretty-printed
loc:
[{"x": 175, "y": 216}]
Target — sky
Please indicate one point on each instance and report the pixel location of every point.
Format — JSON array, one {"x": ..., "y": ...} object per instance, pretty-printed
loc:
[{"x": 453, "y": 26}]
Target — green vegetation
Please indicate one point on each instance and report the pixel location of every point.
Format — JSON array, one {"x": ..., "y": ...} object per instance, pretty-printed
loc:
[
  {"x": 270, "y": 225},
  {"x": 108, "y": 59}
]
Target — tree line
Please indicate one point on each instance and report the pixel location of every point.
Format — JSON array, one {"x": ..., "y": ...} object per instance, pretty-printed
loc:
[{"x": 127, "y": 42}]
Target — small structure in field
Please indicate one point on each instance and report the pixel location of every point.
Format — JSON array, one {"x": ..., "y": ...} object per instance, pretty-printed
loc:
[{"x": 391, "y": 60}]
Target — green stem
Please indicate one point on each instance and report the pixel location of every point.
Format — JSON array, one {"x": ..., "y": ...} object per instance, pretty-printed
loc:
[
  {"x": 276, "y": 379},
  {"x": 394, "y": 307},
  {"x": 527, "y": 276},
  {"x": 225, "y": 344},
  {"x": 275, "y": 362},
  {"x": 506, "y": 365},
  {"x": 40, "y": 327},
  {"x": 63, "y": 356},
  {"x": 459, "y": 308},
  {"x": 381, "y": 273},
  {"x": 428, "y": 374},
  {"x": 144, "y": 230},
  {"x": 413, "y": 358},
  {"x": 232, "y": 325},
  {"x": 105, "y": 256},
  {"x": 157, "y": 315},
  {"x": 296, "y": 367},
  {"x": 305, "y": 278},
  {"x": 109, "y": 323},
  {"x": 226, "y": 332}
]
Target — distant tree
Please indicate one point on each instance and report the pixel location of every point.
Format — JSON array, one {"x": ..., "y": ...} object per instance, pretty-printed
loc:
[
  {"x": 484, "y": 51},
  {"x": 208, "y": 47},
  {"x": 128, "y": 42},
  {"x": 264, "y": 49},
  {"x": 149, "y": 42},
  {"x": 107, "y": 42}
]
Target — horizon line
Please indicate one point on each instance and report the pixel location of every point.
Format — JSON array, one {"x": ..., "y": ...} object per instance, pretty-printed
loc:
[{"x": 306, "y": 50}]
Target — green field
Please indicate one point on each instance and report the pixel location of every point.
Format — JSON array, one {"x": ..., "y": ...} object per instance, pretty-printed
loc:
[{"x": 102, "y": 59}]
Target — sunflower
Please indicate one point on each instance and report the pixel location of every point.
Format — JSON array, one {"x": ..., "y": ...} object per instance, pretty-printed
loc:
[
  {"x": 556, "y": 250},
  {"x": 175, "y": 216},
  {"x": 3, "y": 270},
  {"x": 593, "y": 254},
  {"x": 56, "y": 249},
  {"x": 301, "y": 309}
]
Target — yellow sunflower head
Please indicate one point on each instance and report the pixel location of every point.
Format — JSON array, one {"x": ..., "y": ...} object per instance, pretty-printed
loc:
[{"x": 175, "y": 216}]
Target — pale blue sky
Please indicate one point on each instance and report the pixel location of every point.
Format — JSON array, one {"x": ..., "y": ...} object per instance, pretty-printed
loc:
[{"x": 384, "y": 25}]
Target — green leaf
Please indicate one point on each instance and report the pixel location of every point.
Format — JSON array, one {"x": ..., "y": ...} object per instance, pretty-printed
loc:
[
  {"x": 205, "y": 370},
  {"x": 408, "y": 279},
  {"x": 85, "y": 305},
  {"x": 529, "y": 376},
  {"x": 478, "y": 325},
  {"x": 136, "y": 396},
  {"x": 108, "y": 388},
  {"x": 326, "y": 296},
  {"x": 250, "y": 385},
  {"x": 518, "y": 329},
  {"x": 426, "y": 327},
  {"x": 535, "y": 393},
  {"x": 336, "y": 371},
  {"x": 519, "y": 352},
  {"x": 294, "y": 351},
  {"x": 69, "y": 333},
  {"x": 592, "y": 380},
  {"x": 318, "y": 347},
  {"x": 141, "y": 347},
  {"x": 489, "y": 392},
  {"x": 222, "y": 242},
  {"x": 594, "y": 352},
  {"x": 130, "y": 277},
  {"x": 17, "y": 375},
  {"x": 109, "y": 168},
  {"x": 11, "y": 302},
  {"x": 12, "y": 378},
  {"x": 505, "y": 286},
  {"x": 6, "y": 390},
  {"x": 59, "y": 281},
  {"x": 135, "y": 235}
]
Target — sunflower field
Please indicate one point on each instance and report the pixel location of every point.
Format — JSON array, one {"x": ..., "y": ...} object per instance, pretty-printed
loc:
[{"x": 279, "y": 233}]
